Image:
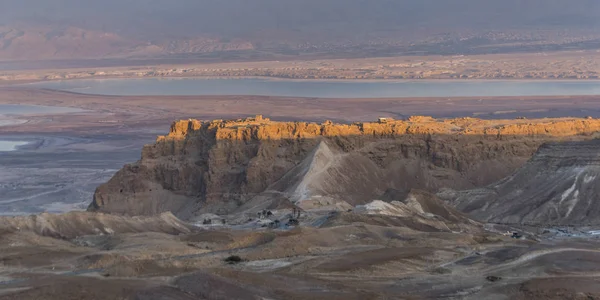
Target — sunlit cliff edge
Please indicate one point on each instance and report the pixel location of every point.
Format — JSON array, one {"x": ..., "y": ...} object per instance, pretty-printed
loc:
[{"x": 219, "y": 166}]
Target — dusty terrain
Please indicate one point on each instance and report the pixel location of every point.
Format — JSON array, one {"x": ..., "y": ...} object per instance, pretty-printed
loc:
[
  {"x": 76, "y": 152},
  {"x": 489, "y": 198},
  {"x": 539, "y": 65},
  {"x": 370, "y": 224},
  {"x": 339, "y": 39},
  {"x": 419, "y": 249},
  {"x": 59, "y": 171}
]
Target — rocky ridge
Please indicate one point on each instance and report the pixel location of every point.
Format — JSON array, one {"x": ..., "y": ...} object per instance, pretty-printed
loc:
[
  {"x": 74, "y": 224},
  {"x": 219, "y": 166},
  {"x": 34, "y": 43},
  {"x": 558, "y": 186}
]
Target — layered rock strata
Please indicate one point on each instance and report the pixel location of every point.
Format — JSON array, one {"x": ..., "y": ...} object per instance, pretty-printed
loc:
[
  {"x": 560, "y": 185},
  {"x": 219, "y": 166}
]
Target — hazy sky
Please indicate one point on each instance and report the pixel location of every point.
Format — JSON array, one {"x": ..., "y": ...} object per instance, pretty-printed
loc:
[{"x": 238, "y": 17}]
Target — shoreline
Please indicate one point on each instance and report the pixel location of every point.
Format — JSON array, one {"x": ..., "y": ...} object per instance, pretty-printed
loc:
[
  {"x": 143, "y": 114},
  {"x": 575, "y": 66},
  {"x": 414, "y": 92},
  {"x": 17, "y": 83},
  {"x": 81, "y": 108}
]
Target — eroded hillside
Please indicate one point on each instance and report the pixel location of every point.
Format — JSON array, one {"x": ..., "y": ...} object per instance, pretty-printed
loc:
[
  {"x": 220, "y": 166},
  {"x": 558, "y": 186},
  {"x": 326, "y": 211}
]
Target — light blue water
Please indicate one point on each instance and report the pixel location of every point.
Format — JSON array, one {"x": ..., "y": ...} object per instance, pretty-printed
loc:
[
  {"x": 12, "y": 109},
  {"x": 332, "y": 89}
]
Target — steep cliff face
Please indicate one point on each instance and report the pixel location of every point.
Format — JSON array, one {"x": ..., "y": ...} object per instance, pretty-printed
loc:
[
  {"x": 220, "y": 166},
  {"x": 560, "y": 185}
]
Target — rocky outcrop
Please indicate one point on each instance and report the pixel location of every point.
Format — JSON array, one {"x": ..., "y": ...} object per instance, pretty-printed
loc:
[
  {"x": 75, "y": 224},
  {"x": 421, "y": 208},
  {"x": 560, "y": 185},
  {"x": 218, "y": 166}
]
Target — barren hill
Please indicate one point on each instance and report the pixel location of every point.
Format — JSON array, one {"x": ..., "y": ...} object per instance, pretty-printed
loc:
[
  {"x": 74, "y": 224},
  {"x": 219, "y": 166},
  {"x": 559, "y": 185},
  {"x": 339, "y": 215}
]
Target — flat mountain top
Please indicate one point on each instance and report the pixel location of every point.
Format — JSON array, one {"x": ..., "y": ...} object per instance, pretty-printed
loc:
[
  {"x": 245, "y": 165},
  {"x": 264, "y": 128}
]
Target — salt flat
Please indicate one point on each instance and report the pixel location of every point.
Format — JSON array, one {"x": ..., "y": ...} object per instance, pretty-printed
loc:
[{"x": 6, "y": 146}]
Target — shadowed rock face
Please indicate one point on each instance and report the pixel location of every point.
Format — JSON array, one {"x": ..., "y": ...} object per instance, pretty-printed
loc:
[
  {"x": 559, "y": 185},
  {"x": 221, "y": 165}
]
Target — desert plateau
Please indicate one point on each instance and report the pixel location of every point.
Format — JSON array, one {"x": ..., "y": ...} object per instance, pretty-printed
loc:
[
  {"x": 223, "y": 209},
  {"x": 287, "y": 149}
]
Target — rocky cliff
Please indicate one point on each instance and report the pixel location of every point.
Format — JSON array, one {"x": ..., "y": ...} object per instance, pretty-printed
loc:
[
  {"x": 560, "y": 185},
  {"x": 220, "y": 166}
]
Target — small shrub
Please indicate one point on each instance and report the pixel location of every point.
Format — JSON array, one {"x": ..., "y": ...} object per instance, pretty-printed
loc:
[{"x": 234, "y": 259}]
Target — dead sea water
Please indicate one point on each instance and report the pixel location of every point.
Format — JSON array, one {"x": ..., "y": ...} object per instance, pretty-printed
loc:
[{"x": 323, "y": 88}]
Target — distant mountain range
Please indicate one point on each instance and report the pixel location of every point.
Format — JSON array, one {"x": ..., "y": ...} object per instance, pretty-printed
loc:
[
  {"x": 45, "y": 43},
  {"x": 84, "y": 29}
]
